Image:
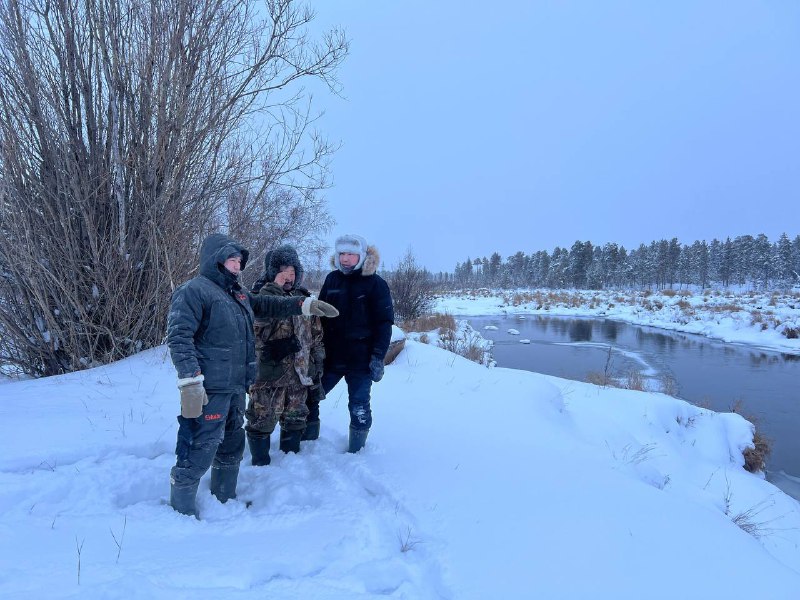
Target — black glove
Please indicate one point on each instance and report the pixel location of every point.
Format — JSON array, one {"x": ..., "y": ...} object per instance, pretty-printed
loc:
[
  {"x": 316, "y": 392},
  {"x": 376, "y": 369}
]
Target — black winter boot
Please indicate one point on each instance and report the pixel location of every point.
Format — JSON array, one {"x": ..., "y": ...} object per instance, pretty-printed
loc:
[
  {"x": 223, "y": 482},
  {"x": 183, "y": 499},
  {"x": 358, "y": 439},
  {"x": 311, "y": 432},
  {"x": 259, "y": 449},
  {"x": 290, "y": 440}
]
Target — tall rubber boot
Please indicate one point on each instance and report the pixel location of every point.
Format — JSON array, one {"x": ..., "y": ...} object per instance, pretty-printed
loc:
[
  {"x": 311, "y": 432},
  {"x": 312, "y": 420},
  {"x": 358, "y": 439},
  {"x": 183, "y": 499},
  {"x": 290, "y": 440},
  {"x": 223, "y": 482},
  {"x": 259, "y": 449}
]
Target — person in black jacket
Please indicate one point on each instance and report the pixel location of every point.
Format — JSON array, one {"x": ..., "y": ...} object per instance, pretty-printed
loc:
[
  {"x": 356, "y": 342},
  {"x": 210, "y": 338}
]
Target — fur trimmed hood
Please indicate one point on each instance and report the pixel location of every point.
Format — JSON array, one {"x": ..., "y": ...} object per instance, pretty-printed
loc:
[
  {"x": 370, "y": 261},
  {"x": 283, "y": 256}
]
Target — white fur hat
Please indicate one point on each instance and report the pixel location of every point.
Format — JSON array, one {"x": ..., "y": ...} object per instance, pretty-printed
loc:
[{"x": 353, "y": 244}]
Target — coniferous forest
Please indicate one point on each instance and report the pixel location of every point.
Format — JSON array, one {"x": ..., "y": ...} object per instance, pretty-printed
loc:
[{"x": 746, "y": 261}]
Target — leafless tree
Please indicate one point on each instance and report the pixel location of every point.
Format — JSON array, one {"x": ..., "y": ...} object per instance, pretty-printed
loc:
[
  {"x": 129, "y": 129},
  {"x": 412, "y": 289}
]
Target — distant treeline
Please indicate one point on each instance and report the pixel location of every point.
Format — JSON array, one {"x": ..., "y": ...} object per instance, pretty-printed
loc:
[{"x": 743, "y": 261}]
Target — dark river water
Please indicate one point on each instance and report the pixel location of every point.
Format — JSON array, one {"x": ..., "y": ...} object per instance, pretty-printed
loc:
[{"x": 706, "y": 372}]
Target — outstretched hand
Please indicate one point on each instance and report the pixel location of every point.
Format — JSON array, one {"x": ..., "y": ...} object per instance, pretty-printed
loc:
[{"x": 319, "y": 308}]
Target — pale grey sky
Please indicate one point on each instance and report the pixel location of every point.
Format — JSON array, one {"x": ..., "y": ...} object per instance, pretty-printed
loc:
[{"x": 472, "y": 127}]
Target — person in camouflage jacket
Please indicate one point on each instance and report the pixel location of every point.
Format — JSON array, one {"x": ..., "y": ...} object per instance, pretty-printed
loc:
[{"x": 290, "y": 354}]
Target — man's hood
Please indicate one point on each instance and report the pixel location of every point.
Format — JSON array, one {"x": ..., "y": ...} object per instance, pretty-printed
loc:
[{"x": 214, "y": 251}]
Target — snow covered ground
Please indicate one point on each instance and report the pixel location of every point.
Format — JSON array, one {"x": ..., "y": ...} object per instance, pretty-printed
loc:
[
  {"x": 475, "y": 483},
  {"x": 758, "y": 319}
]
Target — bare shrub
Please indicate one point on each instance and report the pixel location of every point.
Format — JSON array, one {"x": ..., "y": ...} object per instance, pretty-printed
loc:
[
  {"x": 668, "y": 386},
  {"x": 773, "y": 299},
  {"x": 603, "y": 379},
  {"x": 412, "y": 289},
  {"x": 518, "y": 298},
  {"x": 755, "y": 456},
  {"x": 563, "y": 298},
  {"x": 129, "y": 131},
  {"x": 598, "y": 378},
  {"x": 468, "y": 344},
  {"x": 791, "y": 333},
  {"x": 728, "y": 307},
  {"x": 669, "y": 293},
  {"x": 439, "y": 321},
  {"x": 634, "y": 381}
]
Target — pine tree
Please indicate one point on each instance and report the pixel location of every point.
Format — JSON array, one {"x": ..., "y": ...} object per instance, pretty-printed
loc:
[{"x": 784, "y": 261}]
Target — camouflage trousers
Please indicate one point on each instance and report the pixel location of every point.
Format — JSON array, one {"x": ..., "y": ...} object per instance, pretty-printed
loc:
[{"x": 270, "y": 405}]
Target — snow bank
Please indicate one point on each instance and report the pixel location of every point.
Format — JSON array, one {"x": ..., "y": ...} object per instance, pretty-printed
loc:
[
  {"x": 747, "y": 318},
  {"x": 475, "y": 483}
]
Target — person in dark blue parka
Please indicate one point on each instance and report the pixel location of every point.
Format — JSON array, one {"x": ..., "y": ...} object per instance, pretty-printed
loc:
[
  {"x": 210, "y": 338},
  {"x": 356, "y": 342}
]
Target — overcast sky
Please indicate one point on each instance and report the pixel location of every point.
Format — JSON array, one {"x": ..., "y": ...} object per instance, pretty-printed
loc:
[{"x": 472, "y": 127}]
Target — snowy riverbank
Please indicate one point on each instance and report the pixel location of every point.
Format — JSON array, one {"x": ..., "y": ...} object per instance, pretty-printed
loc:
[
  {"x": 475, "y": 483},
  {"x": 752, "y": 318}
]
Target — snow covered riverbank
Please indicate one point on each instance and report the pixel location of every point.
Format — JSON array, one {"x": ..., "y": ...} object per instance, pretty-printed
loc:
[
  {"x": 762, "y": 320},
  {"x": 475, "y": 483}
]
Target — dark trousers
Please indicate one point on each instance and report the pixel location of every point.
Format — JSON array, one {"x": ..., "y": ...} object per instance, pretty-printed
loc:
[
  {"x": 358, "y": 388},
  {"x": 316, "y": 393},
  {"x": 215, "y": 437}
]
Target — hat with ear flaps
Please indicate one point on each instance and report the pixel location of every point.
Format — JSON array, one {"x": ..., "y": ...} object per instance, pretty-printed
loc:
[
  {"x": 283, "y": 256},
  {"x": 352, "y": 244}
]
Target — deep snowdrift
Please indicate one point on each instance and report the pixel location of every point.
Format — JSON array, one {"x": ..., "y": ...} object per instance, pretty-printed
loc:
[{"x": 475, "y": 483}]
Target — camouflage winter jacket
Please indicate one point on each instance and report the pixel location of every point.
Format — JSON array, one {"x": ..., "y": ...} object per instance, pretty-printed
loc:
[{"x": 289, "y": 351}]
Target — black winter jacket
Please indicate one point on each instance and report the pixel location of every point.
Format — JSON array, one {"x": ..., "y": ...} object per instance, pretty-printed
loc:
[
  {"x": 210, "y": 322},
  {"x": 364, "y": 326}
]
